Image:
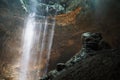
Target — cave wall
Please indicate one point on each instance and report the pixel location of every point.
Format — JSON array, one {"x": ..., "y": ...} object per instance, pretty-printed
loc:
[
  {"x": 95, "y": 16},
  {"x": 102, "y": 66},
  {"x": 11, "y": 24}
]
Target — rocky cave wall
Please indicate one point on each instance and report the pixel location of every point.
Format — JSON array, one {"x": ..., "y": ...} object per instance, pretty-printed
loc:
[
  {"x": 104, "y": 65},
  {"x": 94, "y": 15}
]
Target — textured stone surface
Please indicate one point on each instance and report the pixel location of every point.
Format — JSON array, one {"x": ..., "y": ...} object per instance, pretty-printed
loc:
[
  {"x": 102, "y": 16},
  {"x": 94, "y": 17},
  {"x": 102, "y": 66}
]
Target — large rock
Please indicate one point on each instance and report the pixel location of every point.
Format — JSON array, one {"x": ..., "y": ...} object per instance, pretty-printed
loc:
[{"x": 102, "y": 66}]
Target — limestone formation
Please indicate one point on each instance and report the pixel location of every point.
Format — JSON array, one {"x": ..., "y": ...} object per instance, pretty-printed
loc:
[{"x": 91, "y": 43}]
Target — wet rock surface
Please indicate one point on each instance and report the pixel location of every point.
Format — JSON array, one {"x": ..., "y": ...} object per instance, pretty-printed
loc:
[
  {"x": 91, "y": 44},
  {"x": 99, "y": 17},
  {"x": 102, "y": 66}
]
